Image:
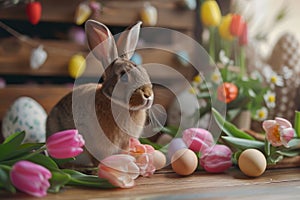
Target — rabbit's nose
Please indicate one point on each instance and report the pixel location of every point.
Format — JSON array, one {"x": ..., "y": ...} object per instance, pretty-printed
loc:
[{"x": 147, "y": 92}]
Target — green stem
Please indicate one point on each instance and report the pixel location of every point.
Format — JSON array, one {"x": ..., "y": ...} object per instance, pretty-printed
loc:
[
  {"x": 11, "y": 162},
  {"x": 212, "y": 43},
  {"x": 297, "y": 123},
  {"x": 242, "y": 62},
  {"x": 235, "y": 49}
]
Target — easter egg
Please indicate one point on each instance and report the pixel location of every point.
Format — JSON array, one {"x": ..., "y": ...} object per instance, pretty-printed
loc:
[
  {"x": 34, "y": 12},
  {"x": 252, "y": 162},
  {"x": 175, "y": 145},
  {"x": 25, "y": 114},
  {"x": 149, "y": 15},
  {"x": 184, "y": 162},
  {"x": 77, "y": 65},
  {"x": 159, "y": 159},
  {"x": 164, "y": 139}
]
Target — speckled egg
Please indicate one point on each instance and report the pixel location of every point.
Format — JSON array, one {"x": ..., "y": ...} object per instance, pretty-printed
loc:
[{"x": 28, "y": 115}]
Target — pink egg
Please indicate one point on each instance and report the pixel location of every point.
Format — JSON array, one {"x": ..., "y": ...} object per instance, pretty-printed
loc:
[{"x": 197, "y": 139}]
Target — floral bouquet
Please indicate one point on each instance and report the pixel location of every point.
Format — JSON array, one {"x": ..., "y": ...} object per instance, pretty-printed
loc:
[
  {"x": 239, "y": 89},
  {"x": 33, "y": 168}
]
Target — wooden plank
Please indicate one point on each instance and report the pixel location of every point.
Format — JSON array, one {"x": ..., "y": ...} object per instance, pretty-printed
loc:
[
  {"x": 17, "y": 61},
  {"x": 115, "y": 13},
  {"x": 49, "y": 95},
  {"x": 274, "y": 184},
  {"x": 46, "y": 95},
  {"x": 60, "y": 52}
]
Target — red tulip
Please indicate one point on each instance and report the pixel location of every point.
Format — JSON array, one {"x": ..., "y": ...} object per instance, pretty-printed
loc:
[
  {"x": 227, "y": 92},
  {"x": 34, "y": 12},
  {"x": 65, "y": 144},
  {"x": 237, "y": 24},
  {"x": 30, "y": 178},
  {"x": 243, "y": 39}
]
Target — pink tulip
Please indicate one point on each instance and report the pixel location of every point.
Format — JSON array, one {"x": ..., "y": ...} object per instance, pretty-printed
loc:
[
  {"x": 120, "y": 170},
  {"x": 216, "y": 159},
  {"x": 143, "y": 154},
  {"x": 30, "y": 178},
  {"x": 197, "y": 139},
  {"x": 279, "y": 131},
  {"x": 65, "y": 144}
]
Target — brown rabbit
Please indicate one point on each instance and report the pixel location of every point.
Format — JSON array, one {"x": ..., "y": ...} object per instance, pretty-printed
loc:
[{"x": 106, "y": 115}]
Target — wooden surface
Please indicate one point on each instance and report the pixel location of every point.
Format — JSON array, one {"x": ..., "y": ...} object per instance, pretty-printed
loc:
[{"x": 273, "y": 184}]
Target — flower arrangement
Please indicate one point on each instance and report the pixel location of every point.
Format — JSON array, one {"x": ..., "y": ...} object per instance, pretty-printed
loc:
[
  {"x": 235, "y": 86},
  {"x": 33, "y": 168}
]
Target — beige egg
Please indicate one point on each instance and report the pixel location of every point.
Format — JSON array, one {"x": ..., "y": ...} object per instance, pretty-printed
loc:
[
  {"x": 159, "y": 159},
  {"x": 252, "y": 162},
  {"x": 184, "y": 162}
]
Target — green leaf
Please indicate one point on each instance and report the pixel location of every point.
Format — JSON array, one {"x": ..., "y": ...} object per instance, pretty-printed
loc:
[
  {"x": 297, "y": 123},
  {"x": 147, "y": 141},
  {"x": 23, "y": 150},
  {"x": 294, "y": 144},
  {"x": 230, "y": 129},
  {"x": 5, "y": 182},
  {"x": 290, "y": 153},
  {"x": 11, "y": 144},
  {"x": 58, "y": 180},
  {"x": 243, "y": 144},
  {"x": 43, "y": 160},
  {"x": 80, "y": 179},
  {"x": 171, "y": 130}
]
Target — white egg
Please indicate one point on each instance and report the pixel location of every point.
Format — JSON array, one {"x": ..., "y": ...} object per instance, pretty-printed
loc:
[{"x": 28, "y": 115}]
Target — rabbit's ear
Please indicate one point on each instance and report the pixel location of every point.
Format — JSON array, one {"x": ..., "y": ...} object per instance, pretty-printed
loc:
[
  {"x": 101, "y": 42},
  {"x": 128, "y": 40}
]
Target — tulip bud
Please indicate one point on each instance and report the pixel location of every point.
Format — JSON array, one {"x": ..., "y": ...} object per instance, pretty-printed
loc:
[
  {"x": 65, "y": 144},
  {"x": 216, "y": 159},
  {"x": 30, "y": 178},
  {"x": 197, "y": 139},
  {"x": 227, "y": 92},
  {"x": 237, "y": 24},
  {"x": 120, "y": 170},
  {"x": 224, "y": 28},
  {"x": 210, "y": 13},
  {"x": 243, "y": 39}
]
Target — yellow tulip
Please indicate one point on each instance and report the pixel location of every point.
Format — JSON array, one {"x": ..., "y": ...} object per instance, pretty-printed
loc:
[
  {"x": 210, "y": 13},
  {"x": 77, "y": 65},
  {"x": 224, "y": 28}
]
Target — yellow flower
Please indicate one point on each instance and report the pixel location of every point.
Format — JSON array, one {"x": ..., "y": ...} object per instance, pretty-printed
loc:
[
  {"x": 210, "y": 13},
  {"x": 261, "y": 114},
  {"x": 224, "y": 28},
  {"x": 270, "y": 99},
  {"x": 197, "y": 79}
]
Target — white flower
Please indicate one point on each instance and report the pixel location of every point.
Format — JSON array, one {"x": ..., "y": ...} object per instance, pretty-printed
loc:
[
  {"x": 224, "y": 59},
  {"x": 261, "y": 114},
  {"x": 216, "y": 77},
  {"x": 270, "y": 98},
  {"x": 273, "y": 78},
  {"x": 255, "y": 75}
]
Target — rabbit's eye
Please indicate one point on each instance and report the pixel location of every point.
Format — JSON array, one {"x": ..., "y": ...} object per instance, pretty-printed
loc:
[{"x": 124, "y": 77}]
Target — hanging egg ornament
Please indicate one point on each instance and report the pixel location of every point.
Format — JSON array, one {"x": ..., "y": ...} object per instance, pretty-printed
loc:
[
  {"x": 76, "y": 66},
  {"x": 83, "y": 12},
  {"x": 187, "y": 4},
  {"x": 149, "y": 14},
  {"x": 25, "y": 114},
  {"x": 34, "y": 12},
  {"x": 38, "y": 57}
]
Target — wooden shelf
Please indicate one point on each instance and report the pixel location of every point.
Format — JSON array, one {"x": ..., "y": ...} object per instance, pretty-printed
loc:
[
  {"x": 60, "y": 52},
  {"x": 114, "y": 13}
]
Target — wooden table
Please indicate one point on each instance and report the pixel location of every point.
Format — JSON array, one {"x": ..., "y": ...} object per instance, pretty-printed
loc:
[{"x": 273, "y": 184}]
